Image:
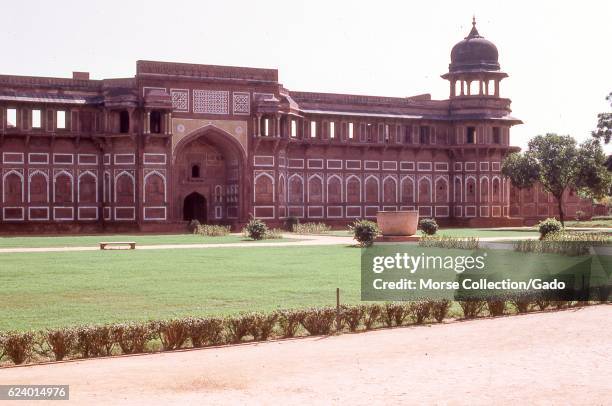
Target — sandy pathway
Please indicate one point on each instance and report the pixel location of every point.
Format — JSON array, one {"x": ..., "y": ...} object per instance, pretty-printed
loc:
[{"x": 549, "y": 358}]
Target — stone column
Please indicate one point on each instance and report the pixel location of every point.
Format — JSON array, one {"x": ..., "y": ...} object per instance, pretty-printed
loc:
[{"x": 258, "y": 130}]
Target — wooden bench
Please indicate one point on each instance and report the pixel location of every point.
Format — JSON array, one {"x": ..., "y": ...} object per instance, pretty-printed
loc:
[{"x": 132, "y": 244}]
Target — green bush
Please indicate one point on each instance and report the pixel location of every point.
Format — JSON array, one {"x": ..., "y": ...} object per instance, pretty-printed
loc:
[
  {"x": 372, "y": 315},
  {"x": 428, "y": 226},
  {"x": 435, "y": 241},
  {"x": 204, "y": 331},
  {"x": 61, "y": 342},
  {"x": 18, "y": 346},
  {"x": 274, "y": 234},
  {"x": 472, "y": 308},
  {"x": 364, "y": 231},
  {"x": 256, "y": 229},
  {"x": 420, "y": 310},
  {"x": 211, "y": 230},
  {"x": 291, "y": 222},
  {"x": 94, "y": 341},
  {"x": 239, "y": 326},
  {"x": 311, "y": 228},
  {"x": 521, "y": 302},
  {"x": 352, "y": 316},
  {"x": 439, "y": 309},
  {"x": 132, "y": 338},
  {"x": 496, "y": 306},
  {"x": 193, "y": 226},
  {"x": 319, "y": 320},
  {"x": 289, "y": 322},
  {"x": 550, "y": 225},
  {"x": 172, "y": 333},
  {"x": 262, "y": 325},
  {"x": 580, "y": 215}
]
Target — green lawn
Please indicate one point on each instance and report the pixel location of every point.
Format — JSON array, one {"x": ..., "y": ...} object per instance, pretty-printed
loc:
[
  {"x": 143, "y": 239},
  {"x": 596, "y": 223},
  {"x": 67, "y": 288}
]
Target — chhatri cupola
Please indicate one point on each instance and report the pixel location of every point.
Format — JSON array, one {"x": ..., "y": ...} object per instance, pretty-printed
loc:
[{"x": 474, "y": 68}]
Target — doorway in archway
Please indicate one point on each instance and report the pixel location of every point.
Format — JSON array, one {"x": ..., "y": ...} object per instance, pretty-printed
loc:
[{"x": 194, "y": 208}]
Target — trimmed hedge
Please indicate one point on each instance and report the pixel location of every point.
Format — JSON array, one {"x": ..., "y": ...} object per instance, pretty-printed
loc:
[{"x": 193, "y": 332}]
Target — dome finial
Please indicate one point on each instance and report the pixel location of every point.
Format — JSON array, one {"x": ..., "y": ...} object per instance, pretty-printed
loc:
[{"x": 474, "y": 32}]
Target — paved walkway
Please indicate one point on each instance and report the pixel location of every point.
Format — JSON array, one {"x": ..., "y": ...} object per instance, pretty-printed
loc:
[
  {"x": 552, "y": 358},
  {"x": 301, "y": 240}
]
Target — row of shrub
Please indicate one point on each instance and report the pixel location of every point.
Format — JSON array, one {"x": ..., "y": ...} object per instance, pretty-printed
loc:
[
  {"x": 564, "y": 243},
  {"x": 257, "y": 230},
  {"x": 434, "y": 241},
  {"x": 311, "y": 228},
  {"x": 193, "y": 332}
]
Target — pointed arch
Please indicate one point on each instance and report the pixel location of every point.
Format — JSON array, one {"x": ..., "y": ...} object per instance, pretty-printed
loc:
[
  {"x": 296, "y": 188},
  {"x": 315, "y": 189},
  {"x": 371, "y": 195},
  {"x": 458, "y": 190},
  {"x": 154, "y": 184},
  {"x": 12, "y": 187},
  {"x": 470, "y": 189},
  {"x": 263, "y": 188},
  {"x": 425, "y": 192},
  {"x": 63, "y": 187},
  {"x": 353, "y": 189},
  {"x": 125, "y": 187},
  {"x": 282, "y": 188},
  {"x": 33, "y": 186},
  {"x": 84, "y": 190},
  {"x": 496, "y": 190},
  {"x": 407, "y": 190},
  {"x": 442, "y": 189},
  {"x": 484, "y": 189},
  {"x": 334, "y": 189},
  {"x": 389, "y": 189}
]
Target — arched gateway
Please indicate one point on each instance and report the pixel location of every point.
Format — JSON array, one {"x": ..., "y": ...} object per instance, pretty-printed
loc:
[{"x": 208, "y": 176}]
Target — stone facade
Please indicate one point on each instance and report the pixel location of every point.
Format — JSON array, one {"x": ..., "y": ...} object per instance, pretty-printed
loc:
[{"x": 182, "y": 141}]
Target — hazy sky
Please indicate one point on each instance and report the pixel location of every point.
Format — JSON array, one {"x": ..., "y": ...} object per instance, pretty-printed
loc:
[{"x": 557, "y": 55}]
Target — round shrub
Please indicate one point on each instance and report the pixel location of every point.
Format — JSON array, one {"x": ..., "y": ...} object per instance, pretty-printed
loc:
[
  {"x": 291, "y": 222},
  {"x": 548, "y": 226},
  {"x": 364, "y": 231},
  {"x": 256, "y": 229},
  {"x": 193, "y": 226},
  {"x": 428, "y": 226}
]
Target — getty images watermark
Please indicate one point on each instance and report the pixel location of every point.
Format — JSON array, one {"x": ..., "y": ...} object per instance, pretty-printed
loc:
[
  {"x": 411, "y": 272},
  {"x": 458, "y": 264}
]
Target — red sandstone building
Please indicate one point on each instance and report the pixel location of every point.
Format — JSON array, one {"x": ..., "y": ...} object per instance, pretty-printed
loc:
[{"x": 219, "y": 144}]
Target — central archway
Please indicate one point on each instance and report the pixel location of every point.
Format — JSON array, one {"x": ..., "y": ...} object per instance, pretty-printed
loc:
[
  {"x": 194, "y": 208},
  {"x": 210, "y": 163}
]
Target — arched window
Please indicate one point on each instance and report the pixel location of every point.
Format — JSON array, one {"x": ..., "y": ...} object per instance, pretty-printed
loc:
[
  {"x": 155, "y": 122},
  {"x": 195, "y": 171},
  {"x": 124, "y": 122}
]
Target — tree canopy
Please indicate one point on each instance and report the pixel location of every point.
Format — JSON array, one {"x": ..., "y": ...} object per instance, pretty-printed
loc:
[
  {"x": 559, "y": 164},
  {"x": 604, "y": 124}
]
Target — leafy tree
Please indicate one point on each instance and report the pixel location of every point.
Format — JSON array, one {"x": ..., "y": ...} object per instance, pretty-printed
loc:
[
  {"x": 559, "y": 164},
  {"x": 604, "y": 124}
]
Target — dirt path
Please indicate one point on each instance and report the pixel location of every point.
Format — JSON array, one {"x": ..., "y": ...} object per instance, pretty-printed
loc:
[{"x": 548, "y": 358}]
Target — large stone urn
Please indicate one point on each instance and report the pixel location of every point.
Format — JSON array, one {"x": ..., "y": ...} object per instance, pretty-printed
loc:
[{"x": 398, "y": 225}]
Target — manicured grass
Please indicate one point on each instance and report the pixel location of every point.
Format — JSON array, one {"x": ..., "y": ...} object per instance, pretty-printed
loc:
[
  {"x": 469, "y": 232},
  {"x": 488, "y": 232},
  {"x": 52, "y": 289},
  {"x": 590, "y": 223},
  {"x": 143, "y": 239},
  {"x": 67, "y": 288}
]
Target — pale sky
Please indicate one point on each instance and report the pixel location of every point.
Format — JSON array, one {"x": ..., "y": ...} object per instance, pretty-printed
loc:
[{"x": 557, "y": 55}]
